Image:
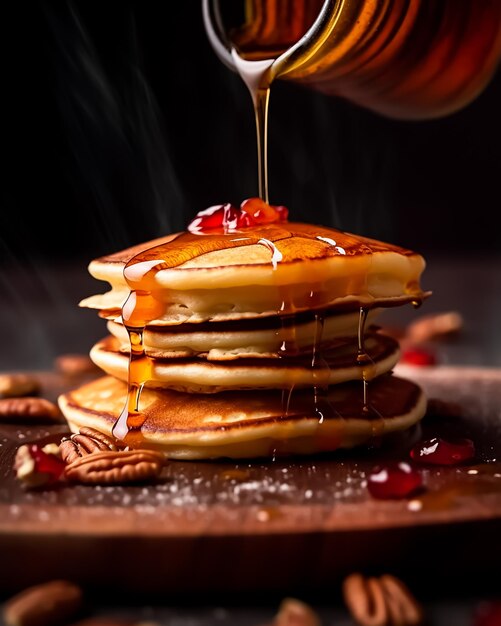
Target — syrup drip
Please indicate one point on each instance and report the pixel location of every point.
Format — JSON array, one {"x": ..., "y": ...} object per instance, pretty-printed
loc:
[
  {"x": 130, "y": 418},
  {"x": 362, "y": 357},
  {"x": 140, "y": 308},
  {"x": 289, "y": 346},
  {"x": 366, "y": 363},
  {"x": 321, "y": 371}
]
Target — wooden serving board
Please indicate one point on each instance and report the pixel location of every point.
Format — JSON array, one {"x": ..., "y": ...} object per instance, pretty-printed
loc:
[{"x": 267, "y": 526}]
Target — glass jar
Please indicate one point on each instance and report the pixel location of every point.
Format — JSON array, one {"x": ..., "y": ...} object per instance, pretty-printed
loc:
[{"x": 407, "y": 59}]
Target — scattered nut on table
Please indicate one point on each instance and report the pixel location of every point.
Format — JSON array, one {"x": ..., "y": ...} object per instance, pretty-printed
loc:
[
  {"x": 433, "y": 327},
  {"x": 18, "y": 384},
  {"x": 73, "y": 364},
  {"x": 383, "y": 601},
  {"x": 87, "y": 441},
  {"x": 29, "y": 409},
  {"x": 110, "y": 467},
  {"x": 293, "y": 612},
  {"x": 47, "y": 604}
]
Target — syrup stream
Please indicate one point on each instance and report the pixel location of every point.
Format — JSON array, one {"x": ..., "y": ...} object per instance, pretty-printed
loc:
[
  {"x": 366, "y": 363},
  {"x": 362, "y": 357},
  {"x": 255, "y": 74}
]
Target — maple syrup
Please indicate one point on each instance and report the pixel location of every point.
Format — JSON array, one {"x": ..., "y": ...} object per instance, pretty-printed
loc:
[{"x": 220, "y": 228}]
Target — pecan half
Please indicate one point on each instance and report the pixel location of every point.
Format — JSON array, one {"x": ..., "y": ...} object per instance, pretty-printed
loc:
[
  {"x": 75, "y": 364},
  {"x": 85, "y": 442},
  {"x": 116, "y": 467},
  {"x": 293, "y": 612},
  {"x": 47, "y": 604},
  {"x": 434, "y": 327},
  {"x": 383, "y": 601},
  {"x": 29, "y": 408},
  {"x": 19, "y": 384}
]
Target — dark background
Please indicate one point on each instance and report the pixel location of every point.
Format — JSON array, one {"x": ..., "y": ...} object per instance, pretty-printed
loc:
[{"x": 120, "y": 123}]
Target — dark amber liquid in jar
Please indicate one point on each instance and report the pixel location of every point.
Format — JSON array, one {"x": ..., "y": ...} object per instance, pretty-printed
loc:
[{"x": 409, "y": 59}]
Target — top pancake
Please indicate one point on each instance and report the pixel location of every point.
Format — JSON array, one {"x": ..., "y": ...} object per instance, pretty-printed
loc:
[{"x": 258, "y": 271}]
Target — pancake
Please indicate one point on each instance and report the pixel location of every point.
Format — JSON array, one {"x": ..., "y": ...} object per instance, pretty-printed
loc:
[
  {"x": 218, "y": 341},
  {"x": 269, "y": 269},
  {"x": 246, "y": 424},
  {"x": 247, "y": 334},
  {"x": 195, "y": 375}
]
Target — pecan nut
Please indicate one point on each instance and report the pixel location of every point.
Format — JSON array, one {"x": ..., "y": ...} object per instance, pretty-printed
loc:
[
  {"x": 116, "y": 467},
  {"x": 293, "y": 612},
  {"x": 75, "y": 364},
  {"x": 30, "y": 409},
  {"x": 47, "y": 604},
  {"x": 384, "y": 601},
  {"x": 85, "y": 442},
  {"x": 434, "y": 327},
  {"x": 19, "y": 384}
]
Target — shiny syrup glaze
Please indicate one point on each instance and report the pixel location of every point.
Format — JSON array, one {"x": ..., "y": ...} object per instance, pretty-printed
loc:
[{"x": 219, "y": 228}]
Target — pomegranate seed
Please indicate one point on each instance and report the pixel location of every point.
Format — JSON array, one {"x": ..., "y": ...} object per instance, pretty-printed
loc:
[
  {"x": 282, "y": 212},
  {"x": 251, "y": 212},
  {"x": 245, "y": 220},
  {"x": 34, "y": 467},
  {"x": 207, "y": 219},
  {"x": 418, "y": 356},
  {"x": 438, "y": 451},
  {"x": 254, "y": 206},
  {"x": 393, "y": 481},
  {"x": 231, "y": 215},
  {"x": 47, "y": 463},
  {"x": 488, "y": 614}
]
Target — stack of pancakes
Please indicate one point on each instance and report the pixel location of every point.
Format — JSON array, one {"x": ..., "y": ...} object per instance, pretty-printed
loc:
[{"x": 249, "y": 342}]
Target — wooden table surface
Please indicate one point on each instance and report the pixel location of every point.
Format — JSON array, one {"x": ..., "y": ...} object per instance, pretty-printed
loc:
[
  {"x": 267, "y": 527},
  {"x": 223, "y": 542}
]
